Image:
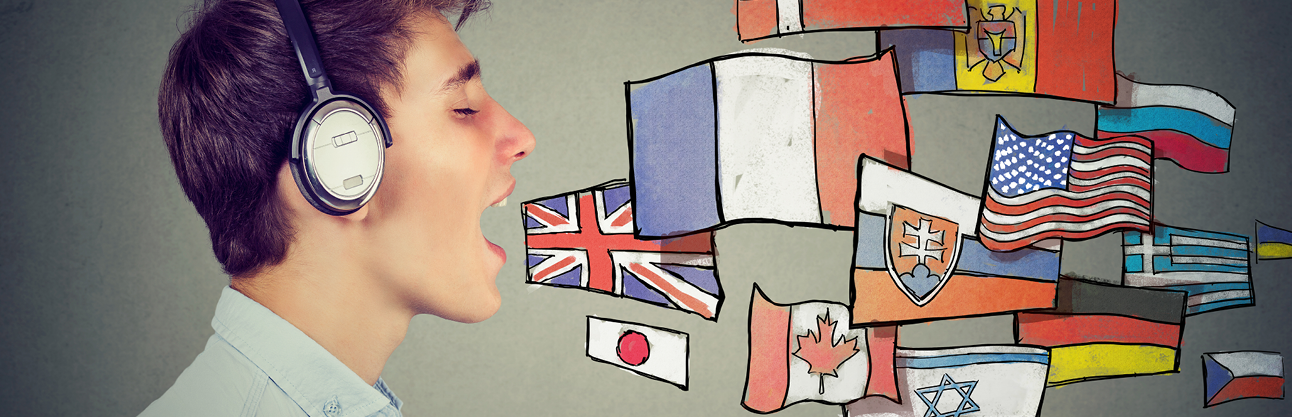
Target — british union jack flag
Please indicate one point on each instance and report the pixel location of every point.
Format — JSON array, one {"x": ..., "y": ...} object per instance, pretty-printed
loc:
[{"x": 584, "y": 239}]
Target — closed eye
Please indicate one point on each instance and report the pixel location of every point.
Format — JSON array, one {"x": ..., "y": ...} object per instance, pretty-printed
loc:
[{"x": 464, "y": 112}]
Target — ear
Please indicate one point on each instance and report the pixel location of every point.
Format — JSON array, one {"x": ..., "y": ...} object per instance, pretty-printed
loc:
[{"x": 289, "y": 193}]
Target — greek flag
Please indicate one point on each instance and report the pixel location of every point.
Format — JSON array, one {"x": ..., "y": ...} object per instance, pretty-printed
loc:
[{"x": 1212, "y": 267}]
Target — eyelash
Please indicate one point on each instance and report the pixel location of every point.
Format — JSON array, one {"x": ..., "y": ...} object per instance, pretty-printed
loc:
[{"x": 465, "y": 111}]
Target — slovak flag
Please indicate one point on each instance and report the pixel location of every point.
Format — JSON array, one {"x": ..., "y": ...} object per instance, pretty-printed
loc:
[{"x": 584, "y": 239}]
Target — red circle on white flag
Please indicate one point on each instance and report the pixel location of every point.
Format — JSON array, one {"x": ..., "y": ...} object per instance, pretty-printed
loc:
[{"x": 633, "y": 348}]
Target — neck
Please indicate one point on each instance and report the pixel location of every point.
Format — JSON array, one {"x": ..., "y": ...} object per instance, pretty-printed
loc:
[{"x": 332, "y": 302}]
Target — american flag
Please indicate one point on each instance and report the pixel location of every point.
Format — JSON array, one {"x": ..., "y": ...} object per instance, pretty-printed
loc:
[
  {"x": 1064, "y": 185},
  {"x": 584, "y": 239}
]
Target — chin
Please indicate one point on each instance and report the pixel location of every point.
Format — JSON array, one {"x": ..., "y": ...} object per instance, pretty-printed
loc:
[{"x": 472, "y": 309}]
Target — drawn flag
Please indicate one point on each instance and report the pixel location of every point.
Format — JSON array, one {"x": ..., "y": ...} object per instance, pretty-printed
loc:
[
  {"x": 1232, "y": 376},
  {"x": 759, "y": 137},
  {"x": 1188, "y": 125},
  {"x": 761, "y": 19},
  {"x": 807, "y": 352},
  {"x": 1211, "y": 267},
  {"x": 1062, "y": 49},
  {"x": 1272, "y": 242},
  {"x": 652, "y": 352},
  {"x": 1064, "y": 185},
  {"x": 1101, "y": 331},
  {"x": 584, "y": 239},
  {"x": 985, "y": 381},
  {"x": 916, "y": 257}
]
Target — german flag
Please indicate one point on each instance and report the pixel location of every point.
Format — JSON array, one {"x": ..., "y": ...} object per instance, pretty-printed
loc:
[{"x": 1099, "y": 331}]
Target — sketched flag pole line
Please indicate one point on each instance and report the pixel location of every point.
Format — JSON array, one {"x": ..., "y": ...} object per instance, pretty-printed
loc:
[
  {"x": 1188, "y": 125},
  {"x": 759, "y": 137},
  {"x": 916, "y": 256},
  {"x": 1101, "y": 331},
  {"x": 584, "y": 239},
  {"x": 1063, "y": 185},
  {"x": 1211, "y": 267},
  {"x": 1061, "y": 48},
  {"x": 762, "y": 19}
]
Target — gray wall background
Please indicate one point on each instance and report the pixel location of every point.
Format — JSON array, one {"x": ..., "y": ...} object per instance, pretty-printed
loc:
[{"x": 108, "y": 284}]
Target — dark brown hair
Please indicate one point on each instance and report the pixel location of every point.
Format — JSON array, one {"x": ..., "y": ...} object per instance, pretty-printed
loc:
[{"x": 232, "y": 92}]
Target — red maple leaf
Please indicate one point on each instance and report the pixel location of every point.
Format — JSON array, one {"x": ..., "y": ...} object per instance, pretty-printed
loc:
[{"x": 824, "y": 357}]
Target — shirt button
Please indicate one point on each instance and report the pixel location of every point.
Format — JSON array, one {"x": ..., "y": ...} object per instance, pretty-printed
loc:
[{"x": 332, "y": 408}]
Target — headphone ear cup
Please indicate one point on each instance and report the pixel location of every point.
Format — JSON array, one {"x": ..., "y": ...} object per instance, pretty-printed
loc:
[{"x": 338, "y": 154}]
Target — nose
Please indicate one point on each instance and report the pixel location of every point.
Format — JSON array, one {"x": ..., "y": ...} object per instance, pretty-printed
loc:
[{"x": 515, "y": 140}]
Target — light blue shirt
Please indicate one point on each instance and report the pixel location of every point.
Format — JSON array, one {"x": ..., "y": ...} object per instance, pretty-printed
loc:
[{"x": 257, "y": 364}]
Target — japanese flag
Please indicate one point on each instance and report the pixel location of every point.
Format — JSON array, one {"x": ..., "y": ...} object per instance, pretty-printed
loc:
[{"x": 648, "y": 351}]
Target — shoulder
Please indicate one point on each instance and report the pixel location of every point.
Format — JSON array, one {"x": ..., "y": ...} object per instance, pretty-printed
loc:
[{"x": 220, "y": 382}]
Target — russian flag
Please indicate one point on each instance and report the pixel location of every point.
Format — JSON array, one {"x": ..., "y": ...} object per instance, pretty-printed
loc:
[
  {"x": 1188, "y": 125},
  {"x": 1232, "y": 376}
]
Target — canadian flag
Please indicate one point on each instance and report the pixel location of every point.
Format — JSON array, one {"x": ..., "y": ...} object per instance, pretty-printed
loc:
[{"x": 807, "y": 352}]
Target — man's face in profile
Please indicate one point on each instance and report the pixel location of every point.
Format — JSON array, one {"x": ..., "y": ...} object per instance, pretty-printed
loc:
[{"x": 451, "y": 159}]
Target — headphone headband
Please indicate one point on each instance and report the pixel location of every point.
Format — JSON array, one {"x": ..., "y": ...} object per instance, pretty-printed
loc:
[{"x": 307, "y": 52}]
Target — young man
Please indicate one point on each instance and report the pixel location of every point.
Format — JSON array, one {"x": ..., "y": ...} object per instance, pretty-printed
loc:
[{"x": 317, "y": 302}]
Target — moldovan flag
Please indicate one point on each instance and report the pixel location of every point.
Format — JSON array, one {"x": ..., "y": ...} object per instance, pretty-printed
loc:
[
  {"x": 1232, "y": 376},
  {"x": 807, "y": 352},
  {"x": 1272, "y": 242},
  {"x": 760, "y": 19},
  {"x": 1211, "y": 267},
  {"x": 761, "y": 137},
  {"x": 652, "y": 352},
  {"x": 987, "y": 381},
  {"x": 917, "y": 258},
  {"x": 1188, "y": 125},
  {"x": 1061, "y": 48},
  {"x": 1103, "y": 331}
]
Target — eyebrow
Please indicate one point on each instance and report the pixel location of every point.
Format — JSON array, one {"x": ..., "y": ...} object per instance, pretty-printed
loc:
[{"x": 466, "y": 73}]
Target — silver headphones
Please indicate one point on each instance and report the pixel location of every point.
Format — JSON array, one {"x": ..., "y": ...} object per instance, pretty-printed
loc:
[{"x": 339, "y": 143}]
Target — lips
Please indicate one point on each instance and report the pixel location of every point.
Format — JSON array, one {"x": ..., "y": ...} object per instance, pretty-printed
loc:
[{"x": 502, "y": 199}]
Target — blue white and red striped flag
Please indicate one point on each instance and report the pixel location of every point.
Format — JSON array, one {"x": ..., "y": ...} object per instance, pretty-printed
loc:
[
  {"x": 1188, "y": 125},
  {"x": 584, "y": 239},
  {"x": 1064, "y": 185}
]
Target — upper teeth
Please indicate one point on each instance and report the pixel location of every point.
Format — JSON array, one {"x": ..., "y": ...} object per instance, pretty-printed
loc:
[{"x": 502, "y": 203}]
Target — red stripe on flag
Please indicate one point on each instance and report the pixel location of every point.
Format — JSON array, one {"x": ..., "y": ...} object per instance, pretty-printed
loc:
[
  {"x": 1105, "y": 138},
  {"x": 1005, "y": 246},
  {"x": 543, "y": 215},
  {"x": 769, "y": 355},
  {"x": 1064, "y": 329},
  {"x": 1249, "y": 387},
  {"x": 1090, "y": 175},
  {"x": 1186, "y": 151},
  {"x": 1058, "y": 200},
  {"x": 544, "y": 274},
  {"x": 1133, "y": 181},
  {"x": 1061, "y": 218},
  {"x": 668, "y": 289},
  {"x": 831, "y": 14},
  {"x": 881, "y": 344},
  {"x": 1109, "y": 152}
]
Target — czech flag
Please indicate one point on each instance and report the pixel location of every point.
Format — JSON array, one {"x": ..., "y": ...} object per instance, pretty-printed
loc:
[{"x": 1237, "y": 375}]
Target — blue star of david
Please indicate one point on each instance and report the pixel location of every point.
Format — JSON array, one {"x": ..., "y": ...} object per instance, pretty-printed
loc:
[{"x": 965, "y": 389}]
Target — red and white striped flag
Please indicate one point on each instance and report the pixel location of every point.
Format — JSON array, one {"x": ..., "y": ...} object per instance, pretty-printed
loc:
[{"x": 1064, "y": 185}]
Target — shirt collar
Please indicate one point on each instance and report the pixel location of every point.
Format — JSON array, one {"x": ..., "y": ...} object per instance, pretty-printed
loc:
[{"x": 303, "y": 369}]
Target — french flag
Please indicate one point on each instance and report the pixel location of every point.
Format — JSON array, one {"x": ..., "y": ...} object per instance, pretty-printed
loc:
[
  {"x": 1237, "y": 375},
  {"x": 1188, "y": 125}
]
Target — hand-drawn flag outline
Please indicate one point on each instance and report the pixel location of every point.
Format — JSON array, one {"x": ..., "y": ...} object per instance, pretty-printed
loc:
[
  {"x": 1101, "y": 331},
  {"x": 573, "y": 240},
  {"x": 1211, "y": 267},
  {"x": 778, "y": 376},
  {"x": 1023, "y": 279},
  {"x": 1063, "y": 185},
  {"x": 669, "y": 351},
  {"x": 763, "y": 19},
  {"x": 1230, "y": 376},
  {"x": 1188, "y": 125},
  {"x": 1272, "y": 243},
  {"x": 1060, "y": 49},
  {"x": 985, "y": 380},
  {"x": 759, "y": 137}
]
